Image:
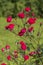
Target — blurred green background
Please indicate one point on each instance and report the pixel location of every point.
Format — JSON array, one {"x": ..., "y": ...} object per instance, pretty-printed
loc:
[{"x": 12, "y": 7}]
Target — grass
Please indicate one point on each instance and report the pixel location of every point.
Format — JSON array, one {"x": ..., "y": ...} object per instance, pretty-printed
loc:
[{"x": 7, "y": 37}]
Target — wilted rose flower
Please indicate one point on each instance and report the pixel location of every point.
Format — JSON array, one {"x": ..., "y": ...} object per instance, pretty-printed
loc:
[
  {"x": 33, "y": 14},
  {"x": 9, "y": 18},
  {"x": 32, "y": 53},
  {"x": 21, "y": 15},
  {"x": 27, "y": 9},
  {"x": 22, "y": 32},
  {"x": 8, "y": 57},
  {"x": 3, "y": 64},
  {"x": 7, "y": 47},
  {"x": 30, "y": 29},
  {"x": 26, "y": 57},
  {"x": 10, "y": 27},
  {"x": 15, "y": 53},
  {"x": 31, "y": 20}
]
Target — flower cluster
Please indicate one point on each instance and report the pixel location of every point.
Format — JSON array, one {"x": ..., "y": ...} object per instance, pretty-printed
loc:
[{"x": 26, "y": 31}]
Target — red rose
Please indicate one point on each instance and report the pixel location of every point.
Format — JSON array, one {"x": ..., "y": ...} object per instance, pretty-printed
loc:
[
  {"x": 9, "y": 18},
  {"x": 32, "y": 53},
  {"x": 2, "y": 49},
  {"x": 27, "y": 9},
  {"x": 21, "y": 15},
  {"x": 9, "y": 57},
  {"x": 7, "y": 47},
  {"x": 21, "y": 33},
  {"x": 30, "y": 29},
  {"x": 22, "y": 43},
  {"x": 23, "y": 30},
  {"x": 26, "y": 57},
  {"x": 3, "y": 64},
  {"x": 10, "y": 27},
  {"x": 31, "y": 20},
  {"x": 6, "y": 27},
  {"x": 23, "y": 47}
]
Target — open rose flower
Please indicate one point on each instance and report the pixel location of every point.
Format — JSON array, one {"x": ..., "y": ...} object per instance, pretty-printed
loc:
[
  {"x": 8, "y": 57},
  {"x": 23, "y": 47},
  {"x": 26, "y": 57},
  {"x": 10, "y": 27},
  {"x": 27, "y": 9},
  {"x": 22, "y": 32},
  {"x": 3, "y": 64},
  {"x": 30, "y": 29},
  {"x": 7, "y": 47},
  {"x": 21, "y": 15},
  {"x": 3, "y": 49},
  {"x": 9, "y": 18},
  {"x": 31, "y": 20}
]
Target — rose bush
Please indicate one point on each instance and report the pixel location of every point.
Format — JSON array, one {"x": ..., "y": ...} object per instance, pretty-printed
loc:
[{"x": 27, "y": 33}]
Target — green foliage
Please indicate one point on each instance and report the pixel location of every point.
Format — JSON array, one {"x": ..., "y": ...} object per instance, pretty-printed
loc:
[{"x": 12, "y": 7}]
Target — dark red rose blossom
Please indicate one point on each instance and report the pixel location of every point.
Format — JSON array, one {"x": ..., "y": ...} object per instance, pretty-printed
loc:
[
  {"x": 23, "y": 47},
  {"x": 8, "y": 57},
  {"x": 32, "y": 53},
  {"x": 3, "y": 64},
  {"x": 9, "y": 18},
  {"x": 21, "y": 15},
  {"x": 26, "y": 57},
  {"x": 22, "y": 43},
  {"x": 3, "y": 49},
  {"x": 6, "y": 27},
  {"x": 21, "y": 33},
  {"x": 30, "y": 29},
  {"x": 31, "y": 20},
  {"x": 7, "y": 47},
  {"x": 10, "y": 27},
  {"x": 27, "y": 9},
  {"x": 23, "y": 30}
]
